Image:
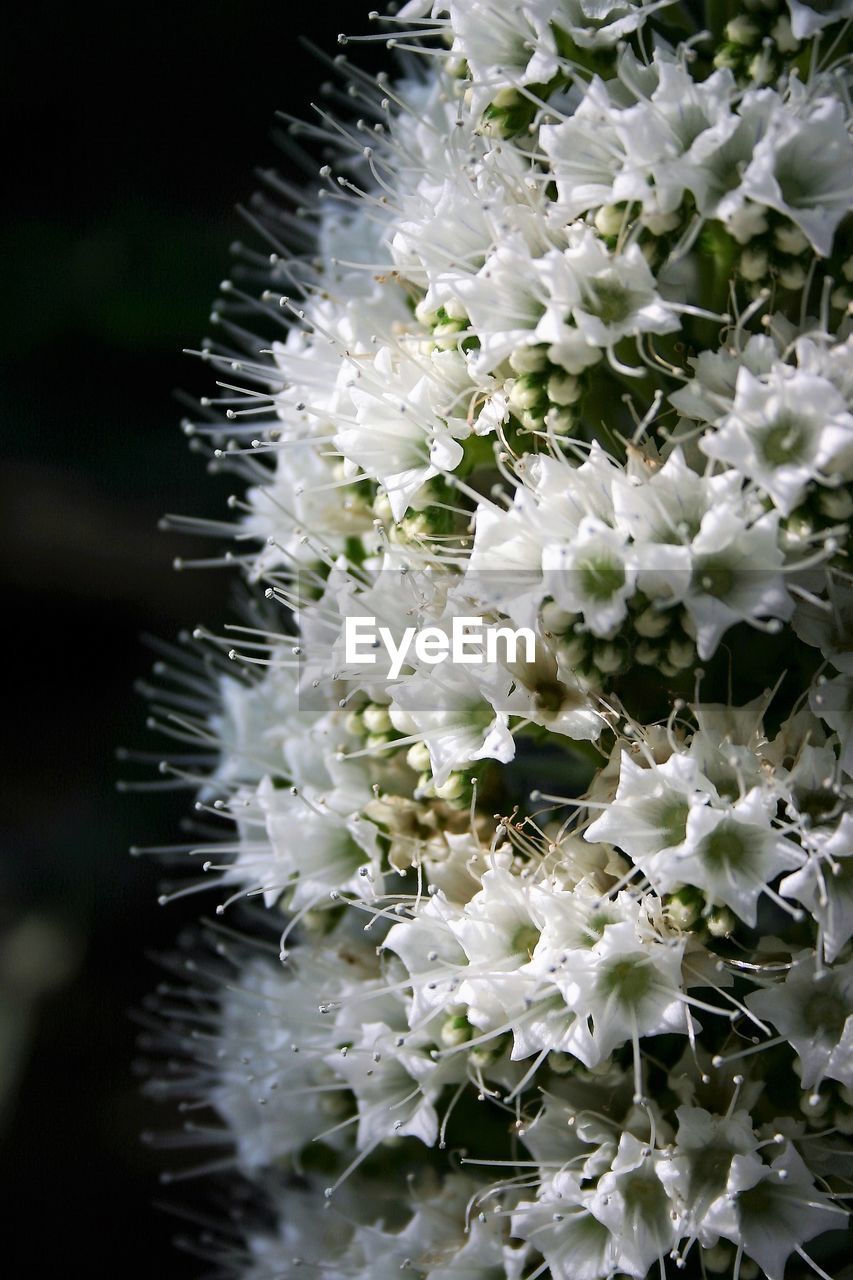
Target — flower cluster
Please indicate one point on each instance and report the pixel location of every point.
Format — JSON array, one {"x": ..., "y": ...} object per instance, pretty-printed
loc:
[{"x": 561, "y": 975}]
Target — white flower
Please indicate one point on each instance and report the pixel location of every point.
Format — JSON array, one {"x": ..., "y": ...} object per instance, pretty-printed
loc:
[
  {"x": 735, "y": 574},
  {"x": 275, "y": 1094},
  {"x": 632, "y": 1201},
  {"x": 697, "y": 1174},
  {"x": 623, "y": 988},
  {"x": 832, "y": 700},
  {"x": 395, "y": 1085},
  {"x": 302, "y": 508},
  {"x": 663, "y": 508},
  {"x": 504, "y": 46},
  {"x": 439, "y": 1242},
  {"x": 498, "y": 931},
  {"x": 608, "y": 296},
  {"x": 783, "y": 432},
  {"x": 649, "y": 814},
  {"x": 504, "y": 302},
  {"x": 560, "y": 1224},
  {"x": 710, "y": 392},
  {"x": 250, "y": 728},
  {"x": 808, "y": 17},
  {"x": 813, "y": 1009},
  {"x": 802, "y": 164},
  {"x": 399, "y": 436},
  {"x": 511, "y": 548},
  {"x": 532, "y": 377},
  {"x": 601, "y": 23},
  {"x": 592, "y": 576},
  {"x": 454, "y": 711},
  {"x": 824, "y": 885},
  {"x": 732, "y": 854},
  {"x": 430, "y": 949},
  {"x": 341, "y": 844},
  {"x": 771, "y": 1210}
]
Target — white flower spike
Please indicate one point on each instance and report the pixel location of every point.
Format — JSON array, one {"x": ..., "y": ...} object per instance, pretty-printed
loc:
[{"x": 536, "y": 958}]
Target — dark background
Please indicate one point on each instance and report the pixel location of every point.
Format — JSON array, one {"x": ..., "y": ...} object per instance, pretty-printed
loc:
[{"x": 132, "y": 132}]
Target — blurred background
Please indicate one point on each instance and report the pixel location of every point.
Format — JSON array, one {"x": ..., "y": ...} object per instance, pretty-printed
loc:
[{"x": 132, "y": 134}]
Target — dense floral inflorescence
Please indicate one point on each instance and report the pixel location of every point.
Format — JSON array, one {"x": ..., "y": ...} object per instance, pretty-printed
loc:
[{"x": 561, "y": 976}]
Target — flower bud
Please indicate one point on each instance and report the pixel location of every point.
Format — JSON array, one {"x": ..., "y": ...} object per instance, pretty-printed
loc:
[
  {"x": 507, "y": 114},
  {"x": 836, "y": 504},
  {"x": 575, "y": 649},
  {"x": 560, "y": 421},
  {"x": 382, "y": 508},
  {"x": 455, "y": 310},
  {"x": 425, "y": 314},
  {"x": 721, "y": 922},
  {"x": 782, "y": 33},
  {"x": 748, "y": 221},
  {"x": 354, "y": 724},
  {"x": 843, "y": 1121},
  {"x": 531, "y": 420},
  {"x": 609, "y": 658},
  {"x": 527, "y": 392},
  {"x": 529, "y": 359},
  {"x": 455, "y": 1030},
  {"x": 792, "y": 276},
  {"x": 761, "y": 67},
  {"x": 742, "y": 30},
  {"x": 753, "y": 264},
  {"x": 790, "y": 239},
  {"x": 681, "y": 653},
  {"x": 486, "y": 1055},
  {"x": 609, "y": 218},
  {"x": 685, "y": 907},
  {"x": 660, "y": 223},
  {"x": 417, "y": 757},
  {"x": 647, "y": 655},
  {"x": 652, "y": 622},
  {"x": 563, "y": 389},
  {"x": 416, "y": 526},
  {"x": 727, "y": 57},
  {"x": 718, "y": 1258},
  {"x": 376, "y": 718},
  {"x": 840, "y": 298},
  {"x": 554, "y": 619},
  {"x": 452, "y": 788},
  {"x": 446, "y": 334}
]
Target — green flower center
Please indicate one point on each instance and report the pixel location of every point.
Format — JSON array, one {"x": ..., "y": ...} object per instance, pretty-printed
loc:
[
  {"x": 601, "y": 579},
  {"x": 609, "y": 300},
  {"x": 825, "y": 1014},
  {"x": 715, "y": 577},
  {"x": 709, "y": 1174},
  {"x": 628, "y": 979},
  {"x": 669, "y": 816},
  {"x": 798, "y": 190},
  {"x": 727, "y": 848},
  {"x": 646, "y": 1200},
  {"x": 783, "y": 442},
  {"x": 524, "y": 940},
  {"x": 592, "y": 929}
]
